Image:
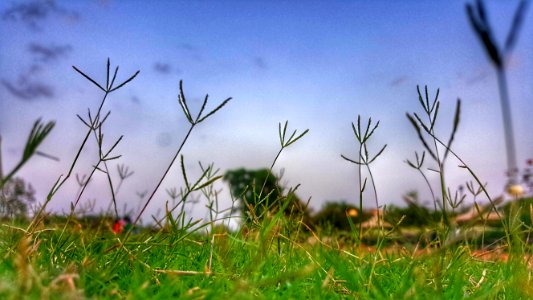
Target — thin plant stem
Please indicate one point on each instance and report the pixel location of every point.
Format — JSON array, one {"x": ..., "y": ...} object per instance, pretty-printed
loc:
[
  {"x": 59, "y": 183},
  {"x": 270, "y": 171},
  {"x": 361, "y": 189},
  {"x": 430, "y": 189},
  {"x": 380, "y": 224},
  {"x": 476, "y": 178},
  {"x": 162, "y": 178},
  {"x": 440, "y": 164}
]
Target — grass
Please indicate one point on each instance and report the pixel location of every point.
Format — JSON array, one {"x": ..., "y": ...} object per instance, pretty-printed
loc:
[
  {"x": 272, "y": 256},
  {"x": 94, "y": 263}
]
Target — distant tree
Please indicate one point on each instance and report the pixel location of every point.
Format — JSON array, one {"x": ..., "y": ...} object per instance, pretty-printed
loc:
[
  {"x": 260, "y": 192},
  {"x": 15, "y": 197},
  {"x": 415, "y": 214},
  {"x": 336, "y": 214}
]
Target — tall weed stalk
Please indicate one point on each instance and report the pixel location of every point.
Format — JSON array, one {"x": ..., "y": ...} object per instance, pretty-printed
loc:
[
  {"x": 431, "y": 110},
  {"x": 364, "y": 159},
  {"x": 94, "y": 125},
  {"x": 193, "y": 121}
]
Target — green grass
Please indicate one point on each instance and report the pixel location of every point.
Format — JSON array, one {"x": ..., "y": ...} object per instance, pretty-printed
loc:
[{"x": 155, "y": 265}]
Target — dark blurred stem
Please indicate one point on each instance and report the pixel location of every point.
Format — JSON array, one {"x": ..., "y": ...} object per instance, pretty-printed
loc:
[{"x": 507, "y": 125}]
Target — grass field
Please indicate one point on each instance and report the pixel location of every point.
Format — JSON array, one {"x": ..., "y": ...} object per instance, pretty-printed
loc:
[{"x": 88, "y": 261}]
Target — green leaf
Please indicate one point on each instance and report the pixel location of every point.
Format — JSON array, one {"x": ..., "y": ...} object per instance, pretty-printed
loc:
[
  {"x": 208, "y": 183},
  {"x": 215, "y": 110},
  {"x": 420, "y": 136},
  {"x": 297, "y": 138},
  {"x": 202, "y": 108},
  {"x": 350, "y": 160},
  {"x": 456, "y": 120},
  {"x": 126, "y": 81},
  {"x": 183, "y": 103},
  {"x": 184, "y": 173}
]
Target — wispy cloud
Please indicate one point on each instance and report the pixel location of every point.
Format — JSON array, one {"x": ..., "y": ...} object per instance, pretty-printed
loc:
[
  {"x": 162, "y": 68},
  {"x": 49, "y": 53},
  {"x": 478, "y": 77},
  {"x": 191, "y": 50},
  {"x": 135, "y": 99},
  {"x": 27, "y": 87},
  {"x": 29, "y": 90},
  {"x": 188, "y": 47},
  {"x": 34, "y": 13},
  {"x": 260, "y": 63},
  {"x": 164, "y": 139},
  {"x": 398, "y": 81}
]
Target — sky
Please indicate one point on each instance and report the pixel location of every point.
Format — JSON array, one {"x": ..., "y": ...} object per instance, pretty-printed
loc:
[{"x": 317, "y": 64}]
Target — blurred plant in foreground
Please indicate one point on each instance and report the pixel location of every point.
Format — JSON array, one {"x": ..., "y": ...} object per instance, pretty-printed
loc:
[{"x": 499, "y": 57}]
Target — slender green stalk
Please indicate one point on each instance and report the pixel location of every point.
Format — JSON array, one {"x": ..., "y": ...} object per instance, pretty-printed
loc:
[
  {"x": 479, "y": 182},
  {"x": 92, "y": 124},
  {"x": 139, "y": 215},
  {"x": 284, "y": 143},
  {"x": 193, "y": 122},
  {"x": 361, "y": 190},
  {"x": 61, "y": 180},
  {"x": 364, "y": 159}
]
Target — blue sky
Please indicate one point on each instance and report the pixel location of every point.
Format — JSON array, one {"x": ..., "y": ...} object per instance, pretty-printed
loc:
[{"x": 317, "y": 64}]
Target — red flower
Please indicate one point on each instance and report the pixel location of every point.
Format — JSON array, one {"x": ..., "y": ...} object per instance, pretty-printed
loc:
[{"x": 118, "y": 227}]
